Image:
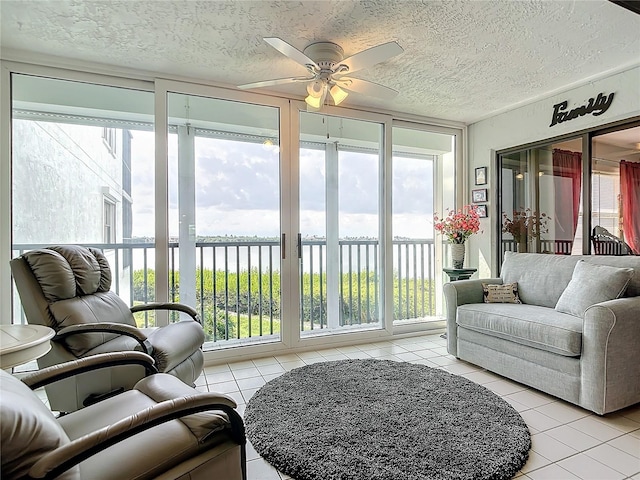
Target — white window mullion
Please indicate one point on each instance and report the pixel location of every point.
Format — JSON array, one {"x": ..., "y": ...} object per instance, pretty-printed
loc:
[{"x": 161, "y": 201}]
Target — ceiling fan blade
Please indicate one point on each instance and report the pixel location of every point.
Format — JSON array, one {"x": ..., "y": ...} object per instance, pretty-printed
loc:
[
  {"x": 366, "y": 88},
  {"x": 372, "y": 56},
  {"x": 290, "y": 51},
  {"x": 277, "y": 81}
]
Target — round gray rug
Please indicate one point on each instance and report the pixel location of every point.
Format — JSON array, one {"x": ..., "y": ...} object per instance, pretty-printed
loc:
[{"x": 378, "y": 419}]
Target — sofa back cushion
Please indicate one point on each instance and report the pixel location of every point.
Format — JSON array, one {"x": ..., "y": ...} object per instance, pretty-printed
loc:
[
  {"x": 593, "y": 284},
  {"x": 542, "y": 278}
]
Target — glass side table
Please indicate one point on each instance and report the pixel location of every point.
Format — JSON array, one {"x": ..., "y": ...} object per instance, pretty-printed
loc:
[{"x": 459, "y": 273}]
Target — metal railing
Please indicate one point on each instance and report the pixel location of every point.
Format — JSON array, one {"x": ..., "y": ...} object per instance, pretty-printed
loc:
[
  {"x": 558, "y": 247},
  {"x": 238, "y": 283}
]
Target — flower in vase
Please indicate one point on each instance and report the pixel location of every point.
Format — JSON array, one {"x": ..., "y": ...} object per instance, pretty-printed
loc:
[
  {"x": 458, "y": 225},
  {"x": 525, "y": 224}
]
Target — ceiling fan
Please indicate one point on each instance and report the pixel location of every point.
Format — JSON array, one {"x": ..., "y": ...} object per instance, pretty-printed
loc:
[{"x": 328, "y": 68}]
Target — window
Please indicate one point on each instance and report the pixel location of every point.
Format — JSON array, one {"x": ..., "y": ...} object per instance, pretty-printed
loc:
[
  {"x": 542, "y": 193},
  {"x": 109, "y": 137},
  {"x": 109, "y": 235}
]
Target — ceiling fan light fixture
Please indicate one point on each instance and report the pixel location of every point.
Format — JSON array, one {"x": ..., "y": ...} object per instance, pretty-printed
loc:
[
  {"x": 316, "y": 89},
  {"x": 338, "y": 94},
  {"x": 314, "y": 102}
]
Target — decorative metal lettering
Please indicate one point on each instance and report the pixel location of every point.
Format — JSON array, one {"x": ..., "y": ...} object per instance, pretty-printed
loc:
[{"x": 596, "y": 106}]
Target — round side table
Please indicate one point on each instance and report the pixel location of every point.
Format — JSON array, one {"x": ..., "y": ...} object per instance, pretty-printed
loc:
[{"x": 23, "y": 343}]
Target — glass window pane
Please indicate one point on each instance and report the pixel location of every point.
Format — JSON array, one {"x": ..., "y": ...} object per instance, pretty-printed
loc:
[
  {"x": 339, "y": 223},
  {"x": 541, "y": 199},
  {"x": 82, "y": 173},
  {"x": 415, "y": 155},
  {"x": 224, "y": 216}
]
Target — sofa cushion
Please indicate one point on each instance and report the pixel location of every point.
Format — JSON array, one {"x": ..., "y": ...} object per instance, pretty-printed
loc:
[
  {"x": 626, "y": 261},
  {"x": 541, "y": 278},
  {"x": 505, "y": 293},
  {"x": 591, "y": 284},
  {"x": 531, "y": 325}
]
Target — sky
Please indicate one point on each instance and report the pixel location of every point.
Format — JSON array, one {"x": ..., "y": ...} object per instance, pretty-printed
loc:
[{"x": 238, "y": 189}]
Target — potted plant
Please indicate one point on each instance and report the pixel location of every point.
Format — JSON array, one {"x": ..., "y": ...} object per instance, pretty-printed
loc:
[
  {"x": 457, "y": 226},
  {"x": 523, "y": 225}
]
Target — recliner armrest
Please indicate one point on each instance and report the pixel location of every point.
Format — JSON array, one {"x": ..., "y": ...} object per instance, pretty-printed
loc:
[
  {"x": 176, "y": 307},
  {"x": 175, "y": 342},
  {"x": 94, "y": 362},
  {"x": 54, "y": 463},
  {"x": 107, "y": 327}
]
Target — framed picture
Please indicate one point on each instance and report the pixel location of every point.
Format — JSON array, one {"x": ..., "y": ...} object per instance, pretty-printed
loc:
[
  {"x": 479, "y": 195},
  {"x": 482, "y": 211},
  {"x": 481, "y": 176}
]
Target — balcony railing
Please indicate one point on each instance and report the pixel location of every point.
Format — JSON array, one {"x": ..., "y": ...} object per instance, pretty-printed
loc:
[
  {"x": 237, "y": 287},
  {"x": 558, "y": 247}
]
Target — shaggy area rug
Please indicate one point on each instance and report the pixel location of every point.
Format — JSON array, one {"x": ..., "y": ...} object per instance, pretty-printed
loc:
[{"x": 384, "y": 420}]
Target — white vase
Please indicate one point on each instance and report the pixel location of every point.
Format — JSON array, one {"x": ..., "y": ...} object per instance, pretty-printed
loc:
[{"x": 457, "y": 255}]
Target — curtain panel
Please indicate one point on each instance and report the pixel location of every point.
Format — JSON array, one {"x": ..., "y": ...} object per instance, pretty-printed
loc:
[
  {"x": 630, "y": 196},
  {"x": 568, "y": 164}
]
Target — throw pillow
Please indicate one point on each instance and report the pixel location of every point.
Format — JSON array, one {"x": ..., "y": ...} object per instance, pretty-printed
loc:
[
  {"x": 505, "y": 293},
  {"x": 591, "y": 284}
]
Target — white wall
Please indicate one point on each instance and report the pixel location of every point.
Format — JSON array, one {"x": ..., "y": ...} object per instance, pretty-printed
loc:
[{"x": 530, "y": 123}]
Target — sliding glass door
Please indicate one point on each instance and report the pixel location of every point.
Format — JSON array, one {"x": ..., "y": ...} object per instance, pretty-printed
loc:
[
  {"x": 339, "y": 241},
  {"x": 543, "y": 192},
  {"x": 193, "y": 197},
  {"x": 224, "y": 216}
]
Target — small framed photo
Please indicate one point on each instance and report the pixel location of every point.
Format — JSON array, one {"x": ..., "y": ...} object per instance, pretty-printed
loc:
[
  {"x": 479, "y": 195},
  {"x": 482, "y": 211},
  {"x": 481, "y": 176}
]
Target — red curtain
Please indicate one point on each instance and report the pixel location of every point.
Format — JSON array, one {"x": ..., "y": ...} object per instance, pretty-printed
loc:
[
  {"x": 630, "y": 193},
  {"x": 568, "y": 164}
]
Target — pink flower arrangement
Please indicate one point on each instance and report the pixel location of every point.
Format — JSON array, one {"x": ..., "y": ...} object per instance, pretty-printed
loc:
[
  {"x": 525, "y": 223},
  {"x": 458, "y": 225}
]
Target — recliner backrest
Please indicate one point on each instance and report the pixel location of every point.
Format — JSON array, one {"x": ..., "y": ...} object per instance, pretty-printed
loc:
[
  {"x": 69, "y": 285},
  {"x": 27, "y": 428}
]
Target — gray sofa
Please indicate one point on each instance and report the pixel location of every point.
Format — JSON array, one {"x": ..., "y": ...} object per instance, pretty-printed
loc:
[{"x": 589, "y": 357}]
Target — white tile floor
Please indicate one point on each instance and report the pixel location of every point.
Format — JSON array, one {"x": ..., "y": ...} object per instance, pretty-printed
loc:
[{"x": 567, "y": 442}]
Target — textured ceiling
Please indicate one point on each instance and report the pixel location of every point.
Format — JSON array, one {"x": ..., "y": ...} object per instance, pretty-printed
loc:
[{"x": 462, "y": 60}]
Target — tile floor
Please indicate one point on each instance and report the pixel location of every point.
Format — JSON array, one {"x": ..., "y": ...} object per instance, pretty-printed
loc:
[{"x": 567, "y": 442}]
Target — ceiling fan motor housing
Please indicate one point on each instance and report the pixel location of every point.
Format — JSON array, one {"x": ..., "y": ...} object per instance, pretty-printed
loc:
[{"x": 325, "y": 54}]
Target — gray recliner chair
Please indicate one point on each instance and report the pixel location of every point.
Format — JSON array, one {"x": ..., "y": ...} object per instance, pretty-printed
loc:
[
  {"x": 161, "y": 429},
  {"x": 67, "y": 288}
]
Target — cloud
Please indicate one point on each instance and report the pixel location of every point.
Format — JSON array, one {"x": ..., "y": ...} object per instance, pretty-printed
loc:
[{"x": 237, "y": 190}]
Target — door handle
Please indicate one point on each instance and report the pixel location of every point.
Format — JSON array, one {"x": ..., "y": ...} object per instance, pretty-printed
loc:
[
  {"x": 283, "y": 245},
  {"x": 299, "y": 245}
]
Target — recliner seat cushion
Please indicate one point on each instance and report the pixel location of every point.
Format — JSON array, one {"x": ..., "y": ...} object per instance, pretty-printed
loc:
[{"x": 531, "y": 325}]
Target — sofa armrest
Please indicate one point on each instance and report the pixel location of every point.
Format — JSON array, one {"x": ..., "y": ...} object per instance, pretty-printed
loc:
[
  {"x": 460, "y": 293},
  {"x": 610, "y": 361}
]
